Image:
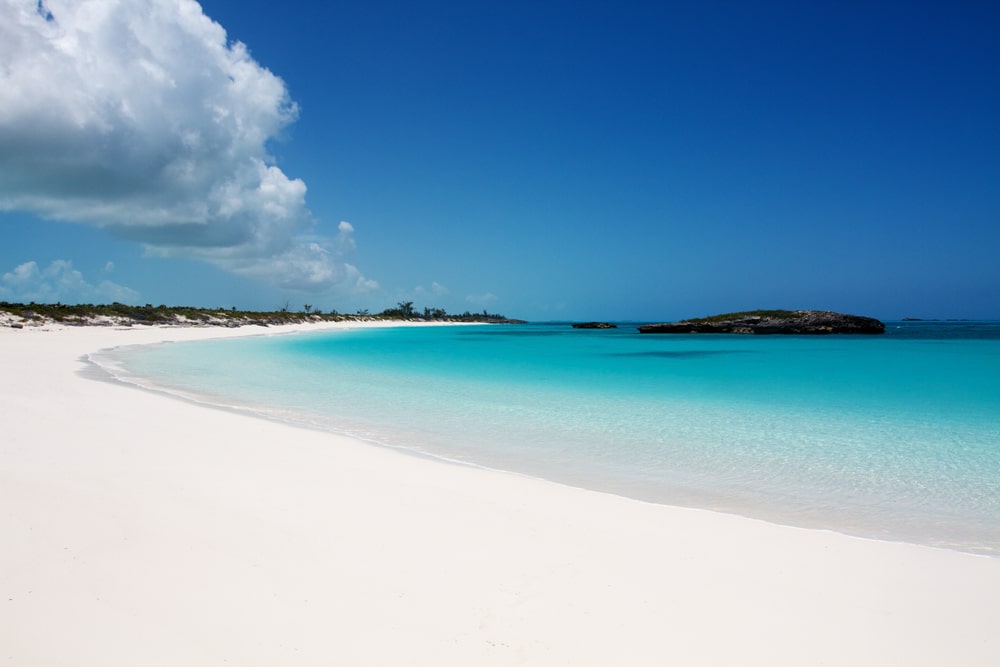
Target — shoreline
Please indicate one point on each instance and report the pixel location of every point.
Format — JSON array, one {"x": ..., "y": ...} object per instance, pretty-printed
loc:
[
  {"x": 141, "y": 530},
  {"x": 805, "y": 503},
  {"x": 771, "y": 515}
]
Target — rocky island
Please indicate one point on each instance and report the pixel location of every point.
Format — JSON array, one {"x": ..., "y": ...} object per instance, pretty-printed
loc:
[
  {"x": 772, "y": 322},
  {"x": 595, "y": 325}
]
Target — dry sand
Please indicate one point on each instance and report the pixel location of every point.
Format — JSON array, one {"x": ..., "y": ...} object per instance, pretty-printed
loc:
[{"x": 136, "y": 529}]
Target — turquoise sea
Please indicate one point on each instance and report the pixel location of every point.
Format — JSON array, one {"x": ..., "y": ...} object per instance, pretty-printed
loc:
[{"x": 892, "y": 437}]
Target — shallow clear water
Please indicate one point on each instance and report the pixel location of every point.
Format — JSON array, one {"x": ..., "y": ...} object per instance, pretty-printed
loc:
[{"x": 894, "y": 437}]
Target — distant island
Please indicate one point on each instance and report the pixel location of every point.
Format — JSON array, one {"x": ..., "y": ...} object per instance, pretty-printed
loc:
[
  {"x": 18, "y": 315},
  {"x": 772, "y": 322},
  {"x": 595, "y": 325}
]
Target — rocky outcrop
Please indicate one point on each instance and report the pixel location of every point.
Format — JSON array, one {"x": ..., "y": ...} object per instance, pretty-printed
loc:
[
  {"x": 595, "y": 325},
  {"x": 773, "y": 322}
]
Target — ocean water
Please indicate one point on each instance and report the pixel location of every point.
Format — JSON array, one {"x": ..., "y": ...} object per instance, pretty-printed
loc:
[{"x": 892, "y": 437}]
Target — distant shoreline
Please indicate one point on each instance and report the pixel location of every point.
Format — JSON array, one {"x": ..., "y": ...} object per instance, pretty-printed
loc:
[{"x": 19, "y": 315}]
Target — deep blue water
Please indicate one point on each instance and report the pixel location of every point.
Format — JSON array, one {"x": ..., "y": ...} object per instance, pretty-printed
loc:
[{"x": 894, "y": 437}]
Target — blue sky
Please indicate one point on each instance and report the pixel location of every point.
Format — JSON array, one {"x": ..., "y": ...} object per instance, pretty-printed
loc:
[{"x": 546, "y": 160}]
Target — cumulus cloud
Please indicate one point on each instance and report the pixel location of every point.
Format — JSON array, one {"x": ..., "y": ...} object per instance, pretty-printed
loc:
[
  {"x": 140, "y": 117},
  {"x": 59, "y": 282}
]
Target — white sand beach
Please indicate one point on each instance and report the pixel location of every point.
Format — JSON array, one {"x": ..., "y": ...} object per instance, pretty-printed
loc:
[{"x": 138, "y": 529}]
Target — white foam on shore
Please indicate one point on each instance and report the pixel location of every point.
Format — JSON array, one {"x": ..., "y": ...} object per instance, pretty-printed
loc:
[{"x": 141, "y": 530}]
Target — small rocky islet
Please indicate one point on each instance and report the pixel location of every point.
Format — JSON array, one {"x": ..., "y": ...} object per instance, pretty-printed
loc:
[
  {"x": 809, "y": 322},
  {"x": 595, "y": 325}
]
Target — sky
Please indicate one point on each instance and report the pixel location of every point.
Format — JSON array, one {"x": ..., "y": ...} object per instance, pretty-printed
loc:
[{"x": 545, "y": 159}]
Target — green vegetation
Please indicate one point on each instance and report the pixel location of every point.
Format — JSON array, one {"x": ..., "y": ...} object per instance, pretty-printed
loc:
[
  {"x": 404, "y": 310},
  {"x": 120, "y": 313},
  {"x": 771, "y": 314}
]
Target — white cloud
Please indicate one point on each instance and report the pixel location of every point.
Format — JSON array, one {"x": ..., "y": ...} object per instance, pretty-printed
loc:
[
  {"x": 345, "y": 237},
  {"x": 360, "y": 283},
  {"x": 436, "y": 290},
  {"x": 139, "y": 117},
  {"x": 59, "y": 282}
]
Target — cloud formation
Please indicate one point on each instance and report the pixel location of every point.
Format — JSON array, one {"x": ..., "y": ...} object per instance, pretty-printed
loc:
[
  {"x": 138, "y": 116},
  {"x": 436, "y": 290},
  {"x": 59, "y": 282}
]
